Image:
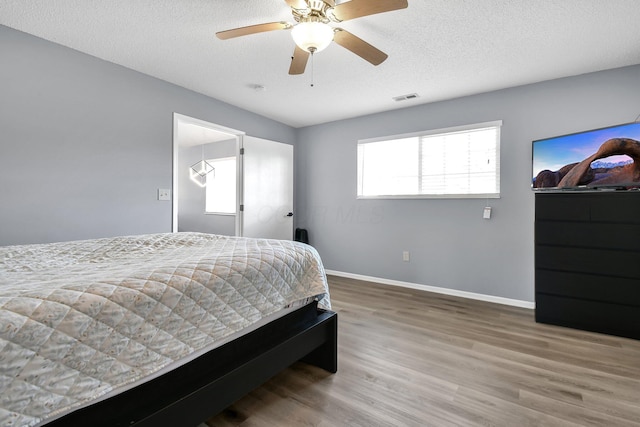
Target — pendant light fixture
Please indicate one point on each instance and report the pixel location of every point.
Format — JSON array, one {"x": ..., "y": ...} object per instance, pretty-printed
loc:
[{"x": 199, "y": 171}]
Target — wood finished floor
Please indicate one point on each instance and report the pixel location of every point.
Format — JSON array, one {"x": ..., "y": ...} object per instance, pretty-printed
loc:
[{"x": 413, "y": 358}]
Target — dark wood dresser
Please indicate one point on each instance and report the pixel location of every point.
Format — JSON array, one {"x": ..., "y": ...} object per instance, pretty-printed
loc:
[{"x": 587, "y": 261}]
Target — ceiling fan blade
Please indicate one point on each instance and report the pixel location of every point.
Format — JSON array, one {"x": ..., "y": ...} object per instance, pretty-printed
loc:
[
  {"x": 359, "y": 46},
  {"x": 253, "y": 29},
  {"x": 357, "y": 8},
  {"x": 297, "y": 4},
  {"x": 298, "y": 61}
]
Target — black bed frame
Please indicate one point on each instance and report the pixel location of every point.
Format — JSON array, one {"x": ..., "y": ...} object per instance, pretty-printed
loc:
[{"x": 207, "y": 385}]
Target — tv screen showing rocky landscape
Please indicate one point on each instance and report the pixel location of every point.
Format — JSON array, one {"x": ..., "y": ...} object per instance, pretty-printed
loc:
[{"x": 596, "y": 159}]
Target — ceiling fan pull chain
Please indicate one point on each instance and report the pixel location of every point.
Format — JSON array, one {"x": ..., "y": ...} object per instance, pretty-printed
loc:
[{"x": 312, "y": 55}]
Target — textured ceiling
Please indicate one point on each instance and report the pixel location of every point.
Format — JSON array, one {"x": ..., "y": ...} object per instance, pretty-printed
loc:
[{"x": 440, "y": 49}]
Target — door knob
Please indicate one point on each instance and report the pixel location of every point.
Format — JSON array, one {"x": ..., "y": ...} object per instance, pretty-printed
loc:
[{"x": 289, "y": 214}]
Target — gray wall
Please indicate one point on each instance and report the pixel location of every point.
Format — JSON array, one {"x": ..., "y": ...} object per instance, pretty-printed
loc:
[
  {"x": 85, "y": 144},
  {"x": 191, "y": 197},
  {"x": 451, "y": 245}
]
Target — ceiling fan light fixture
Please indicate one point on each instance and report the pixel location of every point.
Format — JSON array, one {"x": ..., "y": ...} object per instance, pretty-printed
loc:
[{"x": 312, "y": 36}]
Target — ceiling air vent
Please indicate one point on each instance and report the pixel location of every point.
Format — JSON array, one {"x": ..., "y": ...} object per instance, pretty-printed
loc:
[{"x": 405, "y": 97}]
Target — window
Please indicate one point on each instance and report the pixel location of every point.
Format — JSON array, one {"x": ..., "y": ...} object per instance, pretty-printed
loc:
[
  {"x": 454, "y": 162},
  {"x": 220, "y": 192}
]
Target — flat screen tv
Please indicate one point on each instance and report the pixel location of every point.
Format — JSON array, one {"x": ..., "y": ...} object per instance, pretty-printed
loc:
[{"x": 599, "y": 159}]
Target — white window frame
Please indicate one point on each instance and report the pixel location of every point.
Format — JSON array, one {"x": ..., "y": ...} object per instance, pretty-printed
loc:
[
  {"x": 418, "y": 165},
  {"x": 213, "y": 185}
]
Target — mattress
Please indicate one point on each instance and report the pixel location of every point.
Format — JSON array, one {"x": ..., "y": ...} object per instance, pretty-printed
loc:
[{"x": 81, "y": 320}]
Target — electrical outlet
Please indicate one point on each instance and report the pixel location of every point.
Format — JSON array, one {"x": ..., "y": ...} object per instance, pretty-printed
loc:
[
  {"x": 405, "y": 256},
  {"x": 164, "y": 194}
]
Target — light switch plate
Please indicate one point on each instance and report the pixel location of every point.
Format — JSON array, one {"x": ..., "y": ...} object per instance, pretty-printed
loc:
[{"x": 487, "y": 212}]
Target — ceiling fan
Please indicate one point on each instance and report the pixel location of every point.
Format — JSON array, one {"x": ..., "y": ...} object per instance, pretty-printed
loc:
[{"x": 312, "y": 33}]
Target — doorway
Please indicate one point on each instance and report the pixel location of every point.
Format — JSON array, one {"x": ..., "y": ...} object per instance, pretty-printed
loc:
[
  {"x": 195, "y": 140},
  {"x": 264, "y": 181}
]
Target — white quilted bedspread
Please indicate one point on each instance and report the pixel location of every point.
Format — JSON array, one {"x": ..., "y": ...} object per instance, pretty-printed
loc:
[{"x": 81, "y": 319}]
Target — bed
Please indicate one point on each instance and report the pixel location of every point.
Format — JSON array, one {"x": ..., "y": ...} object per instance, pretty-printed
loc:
[{"x": 154, "y": 330}]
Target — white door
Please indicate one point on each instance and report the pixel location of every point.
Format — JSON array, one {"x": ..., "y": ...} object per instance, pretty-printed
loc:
[{"x": 267, "y": 189}]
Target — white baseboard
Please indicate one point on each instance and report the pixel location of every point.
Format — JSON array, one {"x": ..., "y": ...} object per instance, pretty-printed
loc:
[{"x": 445, "y": 291}]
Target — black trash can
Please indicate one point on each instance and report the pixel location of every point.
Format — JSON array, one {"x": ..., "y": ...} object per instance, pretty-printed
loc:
[{"x": 301, "y": 235}]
